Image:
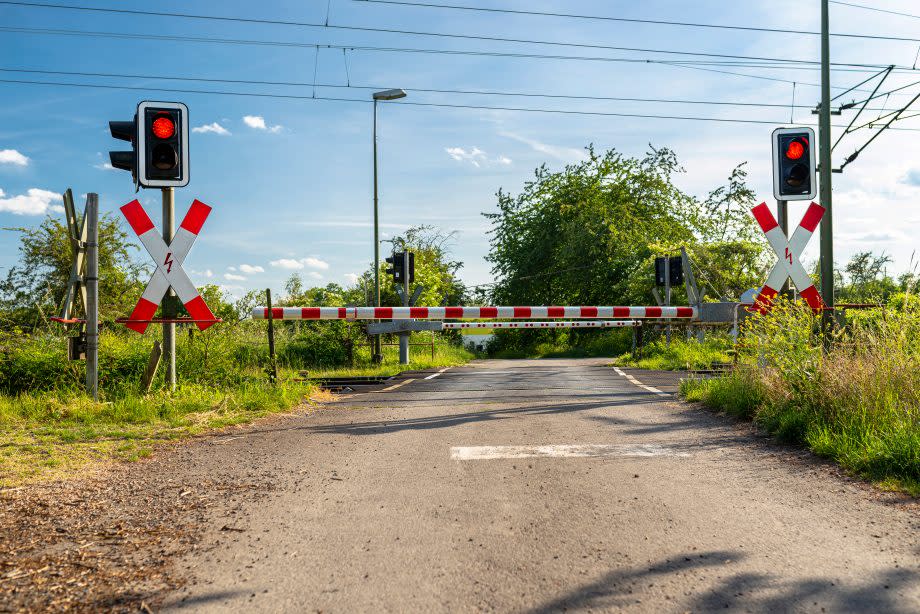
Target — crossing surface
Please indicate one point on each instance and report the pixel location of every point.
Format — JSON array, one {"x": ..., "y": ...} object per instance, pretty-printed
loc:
[{"x": 538, "y": 486}]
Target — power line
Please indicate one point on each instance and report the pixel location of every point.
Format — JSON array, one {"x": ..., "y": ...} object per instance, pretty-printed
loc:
[
  {"x": 434, "y": 34},
  {"x": 872, "y": 8},
  {"x": 699, "y": 54},
  {"x": 314, "y": 84},
  {"x": 659, "y": 22},
  {"x": 416, "y": 104}
]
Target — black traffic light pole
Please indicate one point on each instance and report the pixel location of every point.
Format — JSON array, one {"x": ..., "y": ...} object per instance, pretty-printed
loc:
[
  {"x": 169, "y": 302},
  {"x": 782, "y": 214},
  {"x": 404, "y": 337}
]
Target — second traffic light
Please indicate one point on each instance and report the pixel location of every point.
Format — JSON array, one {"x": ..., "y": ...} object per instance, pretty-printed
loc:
[
  {"x": 675, "y": 271},
  {"x": 159, "y": 135},
  {"x": 403, "y": 265},
  {"x": 794, "y": 164}
]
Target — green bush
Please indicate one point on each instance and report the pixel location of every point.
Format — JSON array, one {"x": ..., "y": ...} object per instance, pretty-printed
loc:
[{"x": 857, "y": 403}]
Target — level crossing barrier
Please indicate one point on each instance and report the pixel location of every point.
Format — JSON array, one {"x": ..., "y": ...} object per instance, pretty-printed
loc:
[
  {"x": 473, "y": 313},
  {"x": 563, "y": 324}
]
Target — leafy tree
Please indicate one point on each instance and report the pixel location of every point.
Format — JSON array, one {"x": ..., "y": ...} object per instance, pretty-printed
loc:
[
  {"x": 588, "y": 234},
  {"x": 868, "y": 279},
  {"x": 34, "y": 289}
]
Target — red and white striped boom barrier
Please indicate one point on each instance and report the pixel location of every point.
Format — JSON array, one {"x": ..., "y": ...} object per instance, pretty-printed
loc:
[
  {"x": 473, "y": 313},
  {"x": 563, "y": 324}
]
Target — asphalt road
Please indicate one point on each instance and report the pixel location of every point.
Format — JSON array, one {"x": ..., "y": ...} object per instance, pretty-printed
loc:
[{"x": 538, "y": 486}]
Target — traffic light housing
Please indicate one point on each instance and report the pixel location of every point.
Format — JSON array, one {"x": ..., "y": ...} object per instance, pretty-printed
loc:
[
  {"x": 125, "y": 160},
  {"x": 398, "y": 262},
  {"x": 675, "y": 270},
  {"x": 159, "y": 136},
  {"x": 403, "y": 264},
  {"x": 794, "y": 164}
]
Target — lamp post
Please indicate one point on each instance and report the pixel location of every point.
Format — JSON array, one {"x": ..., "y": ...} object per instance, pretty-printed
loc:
[{"x": 384, "y": 95}]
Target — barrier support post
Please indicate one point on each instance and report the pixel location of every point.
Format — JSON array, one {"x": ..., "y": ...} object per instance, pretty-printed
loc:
[
  {"x": 91, "y": 283},
  {"x": 272, "y": 366}
]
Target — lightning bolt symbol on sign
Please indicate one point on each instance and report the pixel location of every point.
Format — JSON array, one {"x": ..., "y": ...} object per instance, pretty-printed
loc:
[
  {"x": 788, "y": 255},
  {"x": 168, "y": 262}
]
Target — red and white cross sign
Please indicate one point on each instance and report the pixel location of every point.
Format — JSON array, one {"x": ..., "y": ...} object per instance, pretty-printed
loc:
[
  {"x": 169, "y": 272},
  {"x": 789, "y": 252}
]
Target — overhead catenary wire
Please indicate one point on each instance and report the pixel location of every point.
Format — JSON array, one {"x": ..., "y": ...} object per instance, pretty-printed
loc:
[
  {"x": 660, "y": 22},
  {"x": 452, "y": 91},
  {"x": 477, "y": 52},
  {"x": 284, "y": 22},
  {"x": 874, "y": 9},
  {"x": 412, "y": 103}
]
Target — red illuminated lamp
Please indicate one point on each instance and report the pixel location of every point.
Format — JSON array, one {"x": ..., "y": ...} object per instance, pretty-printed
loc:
[
  {"x": 163, "y": 127},
  {"x": 795, "y": 150}
]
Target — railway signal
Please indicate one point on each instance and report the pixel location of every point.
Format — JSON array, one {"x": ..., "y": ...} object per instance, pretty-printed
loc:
[
  {"x": 159, "y": 138},
  {"x": 794, "y": 164}
]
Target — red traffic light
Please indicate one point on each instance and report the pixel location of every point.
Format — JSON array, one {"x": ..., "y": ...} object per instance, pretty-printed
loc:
[
  {"x": 795, "y": 150},
  {"x": 163, "y": 127}
]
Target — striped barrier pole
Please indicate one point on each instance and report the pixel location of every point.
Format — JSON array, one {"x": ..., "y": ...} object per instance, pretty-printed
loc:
[
  {"x": 564, "y": 324},
  {"x": 474, "y": 313}
]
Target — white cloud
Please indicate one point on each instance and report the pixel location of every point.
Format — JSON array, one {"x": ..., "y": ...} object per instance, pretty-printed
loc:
[
  {"x": 475, "y": 156},
  {"x": 34, "y": 202},
  {"x": 233, "y": 277},
  {"x": 11, "y": 156},
  {"x": 566, "y": 154},
  {"x": 105, "y": 166},
  {"x": 352, "y": 277},
  {"x": 250, "y": 269},
  {"x": 212, "y": 127},
  {"x": 257, "y": 122},
  {"x": 302, "y": 263},
  {"x": 208, "y": 273},
  {"x": 314, "y": 275}
]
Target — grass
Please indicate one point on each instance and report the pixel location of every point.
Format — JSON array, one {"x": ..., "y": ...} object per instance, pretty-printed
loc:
[
  {"x": 50, "y": 435},
  {"x": 517, "y": 344},
  {"x": 857, "y": 404},
  {"x": 681, "y": 354},
  {"x": 49, "y": 429}
]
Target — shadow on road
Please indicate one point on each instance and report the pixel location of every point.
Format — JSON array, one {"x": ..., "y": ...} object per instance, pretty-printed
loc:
[{"x": 737, "y": 592}]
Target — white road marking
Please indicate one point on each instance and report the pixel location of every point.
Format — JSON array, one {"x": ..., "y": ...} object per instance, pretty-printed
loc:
[
  {"x": 395, "y": 386},
  {"x": 561, "y": 451},
  {"x": 636, "y": 382},
  {"x": 434, "y": 375}
]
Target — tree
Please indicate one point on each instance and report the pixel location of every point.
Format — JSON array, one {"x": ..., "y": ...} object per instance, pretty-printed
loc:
[
  {"x": 868, "y": 279},
  {"x": 589, "y": 234},
  {"x": 34, "y": 289}
]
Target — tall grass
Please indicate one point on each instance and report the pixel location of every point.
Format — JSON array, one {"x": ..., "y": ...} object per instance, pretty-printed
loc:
[
  {"x": 48, "y": 426},
  {"x": 857, "y": 403}
]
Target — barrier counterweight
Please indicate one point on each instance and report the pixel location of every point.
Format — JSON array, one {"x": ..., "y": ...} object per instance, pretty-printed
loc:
[{"x": 473, "y": 313}]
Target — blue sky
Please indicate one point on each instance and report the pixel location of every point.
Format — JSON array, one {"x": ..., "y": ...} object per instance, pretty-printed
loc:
[{"x": 290, "y": 179}]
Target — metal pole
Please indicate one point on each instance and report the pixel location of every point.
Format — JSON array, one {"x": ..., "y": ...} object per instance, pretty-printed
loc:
[
  {"x": 824, "y": 140},
  {"x": 169, "y": 312},
  {"x": 404, "y": 338},
  {"x": 377, "y": 357},
  {"x": 91, "y": 282},
  {"x": 782, "y": 214},
  {"x": 667, "y": 295},
  {"x": 273, "y": 368}
]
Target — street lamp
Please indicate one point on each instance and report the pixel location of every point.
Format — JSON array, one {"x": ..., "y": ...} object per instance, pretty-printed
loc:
[{"x": 384, "y": 95}]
